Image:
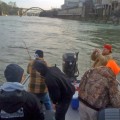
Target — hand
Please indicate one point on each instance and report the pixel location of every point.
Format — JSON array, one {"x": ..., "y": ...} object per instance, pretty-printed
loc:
[
  {"x": 54, "y": 107},
  {"x": 97, "y": 51}
]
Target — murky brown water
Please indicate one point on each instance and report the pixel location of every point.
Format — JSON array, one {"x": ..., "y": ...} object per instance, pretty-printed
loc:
[{"x": 55, "y": 37}]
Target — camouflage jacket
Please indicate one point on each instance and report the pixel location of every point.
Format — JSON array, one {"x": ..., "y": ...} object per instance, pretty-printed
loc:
[
  {"x": 100, "y": 60},
  {"x": 99, "y": 88}
]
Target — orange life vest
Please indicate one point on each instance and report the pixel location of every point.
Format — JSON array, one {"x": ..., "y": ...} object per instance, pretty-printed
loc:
[{"x": 114, "y": 66}]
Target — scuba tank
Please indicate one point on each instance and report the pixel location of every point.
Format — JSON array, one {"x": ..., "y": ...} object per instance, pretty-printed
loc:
[{"x": 70, "y": 65}]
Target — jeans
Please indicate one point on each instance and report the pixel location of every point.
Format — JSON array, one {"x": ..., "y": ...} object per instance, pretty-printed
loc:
[{"x": 45, "y": 99}]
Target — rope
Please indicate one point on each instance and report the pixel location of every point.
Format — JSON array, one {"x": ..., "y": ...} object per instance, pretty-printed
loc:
[{"x": 28, "y": 76}]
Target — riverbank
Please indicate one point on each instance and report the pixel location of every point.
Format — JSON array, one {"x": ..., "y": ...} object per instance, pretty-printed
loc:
[
  {"x": 90, "y": 19},
  {"x": 86, "y": 19},
  {"x": 77, "y": 14}
]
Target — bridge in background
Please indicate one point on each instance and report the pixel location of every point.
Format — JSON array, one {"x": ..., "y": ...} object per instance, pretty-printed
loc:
[{"x": 33, "y": 11}]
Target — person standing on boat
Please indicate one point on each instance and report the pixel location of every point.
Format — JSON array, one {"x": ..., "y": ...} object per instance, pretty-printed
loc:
[
  {"x": 15, "y": 102},
  {"x": 98, "y": 90},
  {"x": 101, "y": 58},
  {"x": 59, "y": 86},
  {"x": 37, "y": 84}
]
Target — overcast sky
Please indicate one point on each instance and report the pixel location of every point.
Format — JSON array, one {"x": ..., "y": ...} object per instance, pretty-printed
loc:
[{"x": 44, "y": 4}]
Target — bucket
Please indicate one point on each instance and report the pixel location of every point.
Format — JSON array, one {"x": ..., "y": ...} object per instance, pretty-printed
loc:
[{"x": 75, "y": 101}]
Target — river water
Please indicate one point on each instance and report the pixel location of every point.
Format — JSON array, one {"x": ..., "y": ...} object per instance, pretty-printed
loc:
[{"x": 55, "y": 37}]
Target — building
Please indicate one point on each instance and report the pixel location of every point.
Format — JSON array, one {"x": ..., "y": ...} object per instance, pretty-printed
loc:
[
  {"x": 70, "y": 4},
  {"x": 76, "y": 8},
  {"x": 12, "y": 4},
  {"x": 105, "y": 8}
]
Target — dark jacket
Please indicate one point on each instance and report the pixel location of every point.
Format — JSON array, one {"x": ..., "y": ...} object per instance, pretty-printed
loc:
[
  {"x": 19, "y": 105},
  {"x": 59, "y": 86}
]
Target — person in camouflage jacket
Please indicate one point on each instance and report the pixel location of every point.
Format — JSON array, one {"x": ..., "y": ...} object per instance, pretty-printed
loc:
[
  {"x": 101, "y": 58},
  {"x": 98, "y": 89}
]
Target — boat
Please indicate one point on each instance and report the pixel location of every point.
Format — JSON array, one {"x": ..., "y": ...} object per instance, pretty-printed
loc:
[
  {"x": 72, "y": 113},
  {"x": 70, "y": 68}
]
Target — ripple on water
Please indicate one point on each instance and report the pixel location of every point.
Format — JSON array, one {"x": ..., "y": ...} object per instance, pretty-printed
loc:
[{"x": 55, "y": 37}]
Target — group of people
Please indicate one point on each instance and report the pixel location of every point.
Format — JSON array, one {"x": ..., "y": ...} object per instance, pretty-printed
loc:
[
  {"x": 47, "y": 85},
  {"x": 98, "y": 89}
]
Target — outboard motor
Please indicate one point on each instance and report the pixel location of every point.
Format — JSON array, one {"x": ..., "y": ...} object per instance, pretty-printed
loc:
[{"x": 70, "y": 65}]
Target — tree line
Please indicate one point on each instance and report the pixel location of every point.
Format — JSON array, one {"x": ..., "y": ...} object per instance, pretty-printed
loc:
[{"x": 6, "y": 9}]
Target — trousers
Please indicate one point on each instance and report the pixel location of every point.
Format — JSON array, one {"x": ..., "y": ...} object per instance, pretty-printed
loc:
[{"x": 87, "y": 113}]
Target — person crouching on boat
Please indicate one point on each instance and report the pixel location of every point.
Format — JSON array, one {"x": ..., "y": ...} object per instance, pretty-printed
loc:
[
  {"x": 101, "y": 58},
  {"x": 15, "y": 102},
  {"x": 59, "y": 86},
  {"x": 98, "y": 89}
]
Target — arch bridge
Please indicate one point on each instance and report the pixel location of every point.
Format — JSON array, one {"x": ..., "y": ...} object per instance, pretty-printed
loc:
[{"x": 24, "y": 11}]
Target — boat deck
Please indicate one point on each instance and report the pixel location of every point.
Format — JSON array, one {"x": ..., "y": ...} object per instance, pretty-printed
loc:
[{"x": 72, "y": 114}]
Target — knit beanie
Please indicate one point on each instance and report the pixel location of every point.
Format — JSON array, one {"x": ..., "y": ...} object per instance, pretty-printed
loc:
[
  {"x": 39, "y": 53},
  {"x": 13, "y": 73}
]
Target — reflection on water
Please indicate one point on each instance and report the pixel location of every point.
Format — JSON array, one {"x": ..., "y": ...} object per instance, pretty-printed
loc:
[{"x": 55, "y": 37}]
